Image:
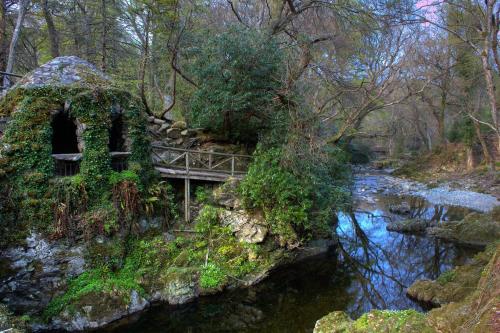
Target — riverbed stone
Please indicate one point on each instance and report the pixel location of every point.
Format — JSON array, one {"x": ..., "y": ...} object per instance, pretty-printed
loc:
[
  {"x": 334, "y": 322},
  {"x": 402, "y": 208},
  {"x": 409, "y": 226},
  {"x": 180, "y": 125}
]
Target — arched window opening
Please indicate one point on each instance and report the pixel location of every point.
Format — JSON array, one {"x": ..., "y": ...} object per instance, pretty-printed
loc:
[
  {"x": 64, "y": 139},
  {"x": 65, "y": 145},
  {"x": 117, "y": 146},
  {"x": 116, "y": 137}
]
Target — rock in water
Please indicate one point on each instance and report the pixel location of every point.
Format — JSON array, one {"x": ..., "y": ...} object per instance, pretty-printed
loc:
[{"x": 410, "y": 226}]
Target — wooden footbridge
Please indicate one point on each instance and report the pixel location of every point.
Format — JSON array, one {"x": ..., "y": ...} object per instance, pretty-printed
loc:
[{"x": 203, "y": 165}]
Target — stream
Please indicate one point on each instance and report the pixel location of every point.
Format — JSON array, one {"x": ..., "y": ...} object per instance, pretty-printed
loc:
[{"x": 371, "y": 269}]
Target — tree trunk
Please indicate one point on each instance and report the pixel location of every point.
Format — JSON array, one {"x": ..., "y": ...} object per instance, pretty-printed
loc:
[
  {"x": 3, "y": 36},
  {"x": 487, "y": 70},
  {"x": 87, "y": 24},
  {"x": 486, "y": 153},
  {"x": 142, "y": 72},
  {"x": 440, "y": 119},
  {"x": 53, "y": 33},
  {"x": 104, "y": 35},
  {"x": 470, "y": 159},
  {"x": 23, "y": 6}
]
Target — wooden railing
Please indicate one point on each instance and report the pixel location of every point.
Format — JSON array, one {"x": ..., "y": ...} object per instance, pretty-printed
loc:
[{"x": 200, "y": 160}]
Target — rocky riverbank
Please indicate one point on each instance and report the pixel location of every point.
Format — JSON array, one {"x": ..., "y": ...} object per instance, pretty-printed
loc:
[
  {"x": 471, "y": 295},
  {"x": 468, "y": 295},
  {"x": 61, "y": 285}
]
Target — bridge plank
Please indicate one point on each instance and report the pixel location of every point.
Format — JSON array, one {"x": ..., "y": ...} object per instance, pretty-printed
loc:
[{"x": 194, "y": 174}]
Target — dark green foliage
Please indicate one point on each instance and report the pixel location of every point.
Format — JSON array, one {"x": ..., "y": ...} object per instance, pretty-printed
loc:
[
  {"x": 239, "y": 75},
  {"x": 463, "y": 131},
  {"x": 297, "y": 204}
]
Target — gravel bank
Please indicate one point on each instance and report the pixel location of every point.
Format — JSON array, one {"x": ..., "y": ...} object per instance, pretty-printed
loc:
[{"x": 442, "y": 195}]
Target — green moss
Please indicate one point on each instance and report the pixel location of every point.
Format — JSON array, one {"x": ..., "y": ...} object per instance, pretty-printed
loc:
[
  {"x": 107, "y": 253},
  {"x": 375, "y": 321},
  {"x": 453, "y": 285},
  {"x": 94, "y": 281},
  {"x": 447, "y": 277},
  {"x": 212, "y": 276},
  {"x": 147, "y": 264},
  {"x": 477, "y": 311},
  {"x": 30, "y": 199}
]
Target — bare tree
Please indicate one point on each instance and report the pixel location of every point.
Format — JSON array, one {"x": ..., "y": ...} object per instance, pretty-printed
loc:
[{"x": 22, "y": 8}]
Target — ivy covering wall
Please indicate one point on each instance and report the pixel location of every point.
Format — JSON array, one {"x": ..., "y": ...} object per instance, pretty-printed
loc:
[{"x": 33, "y": 198}]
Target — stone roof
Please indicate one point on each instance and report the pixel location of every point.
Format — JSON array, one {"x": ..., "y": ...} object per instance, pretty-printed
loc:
[{"x": 64, "y": 71}]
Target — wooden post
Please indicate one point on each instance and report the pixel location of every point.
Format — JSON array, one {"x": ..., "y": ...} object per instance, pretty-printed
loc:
[
  {"x": 187, "y": 200},
  {"x": 232, "y": 166},
  {"x": 187, "y": 196}
]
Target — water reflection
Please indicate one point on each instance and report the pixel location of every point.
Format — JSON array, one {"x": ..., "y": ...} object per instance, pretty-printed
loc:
[
  {"x": 371, "y": 268},
  {"x": 386, "y": 263}
]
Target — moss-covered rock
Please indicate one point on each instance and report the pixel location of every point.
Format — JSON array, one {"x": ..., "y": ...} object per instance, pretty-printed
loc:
[
  {"x": 409, "y": 226},
  {"x": 375, "y": 321},
  {"x": 178, "y": 285},
  {"x": 96, "y": 309},
  {"x": 453, "y": 285},
  {"x": 474, "y": 229},
  {"x": 478, "y": 312}
]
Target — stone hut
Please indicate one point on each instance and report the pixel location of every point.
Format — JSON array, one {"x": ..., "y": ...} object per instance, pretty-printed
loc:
[
  {"x": 66, "y": 118},
  {"x": 67, "y": 128}
]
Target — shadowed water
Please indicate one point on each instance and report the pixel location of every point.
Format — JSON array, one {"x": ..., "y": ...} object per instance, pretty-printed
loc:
[{"x": 371, "y": 269}]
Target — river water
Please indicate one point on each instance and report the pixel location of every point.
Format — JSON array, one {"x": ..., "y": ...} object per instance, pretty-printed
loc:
[{"x": 371, "y": 269}]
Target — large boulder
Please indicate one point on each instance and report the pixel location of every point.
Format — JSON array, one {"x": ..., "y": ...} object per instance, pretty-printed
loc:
[
  {"x": 177, "y": 286},
  {"x": 97, "y": 309},
  {"x": 451, "y": 286},
  {"x": 475, "y": 229},
  {"x": 247, "y": 227}
]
